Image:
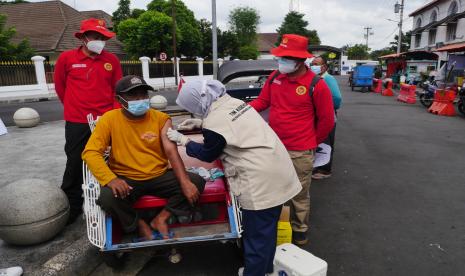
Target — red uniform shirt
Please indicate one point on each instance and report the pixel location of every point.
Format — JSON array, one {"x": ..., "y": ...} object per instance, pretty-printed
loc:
[
  {"x": 86, "y": 85},
  {"x": 292, "y": 111}
]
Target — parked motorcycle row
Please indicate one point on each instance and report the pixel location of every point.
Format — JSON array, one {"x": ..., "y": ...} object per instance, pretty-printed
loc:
[{"x": 428, "y": 88}]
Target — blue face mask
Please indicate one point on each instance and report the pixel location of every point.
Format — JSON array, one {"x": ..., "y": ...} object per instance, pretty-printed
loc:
[
  {"x": 139, "y": 107},
  {"x": 316, "y": 69},
  {"x": 286, "y": 66}
]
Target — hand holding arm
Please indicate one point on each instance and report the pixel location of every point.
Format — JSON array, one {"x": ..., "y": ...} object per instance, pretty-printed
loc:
[{"x": 189, "y": 190}]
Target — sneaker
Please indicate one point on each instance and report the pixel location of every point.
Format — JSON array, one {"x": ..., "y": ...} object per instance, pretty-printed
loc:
[
  {"x": 11, "y": 271},
  {"x": 299, "y": 238},
  {"x": 321, "y": 175},
  {"x": 240, "y": 272}
]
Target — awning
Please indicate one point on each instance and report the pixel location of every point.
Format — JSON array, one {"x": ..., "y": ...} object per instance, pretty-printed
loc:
[
  {"x": 391, "y": 56},
  {"x": 414, "y": 55},
  {"x": 459, "y": 47}
]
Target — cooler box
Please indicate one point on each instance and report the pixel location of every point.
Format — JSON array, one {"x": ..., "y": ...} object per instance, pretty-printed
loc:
[{"x": 290, "y": 260}]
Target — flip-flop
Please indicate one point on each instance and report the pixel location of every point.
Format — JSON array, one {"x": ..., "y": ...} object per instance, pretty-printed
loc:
[{"x": 156, "y": 235}]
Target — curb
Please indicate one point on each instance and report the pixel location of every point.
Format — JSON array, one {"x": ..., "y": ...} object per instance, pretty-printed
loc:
[{"x": 80, "y": 258}]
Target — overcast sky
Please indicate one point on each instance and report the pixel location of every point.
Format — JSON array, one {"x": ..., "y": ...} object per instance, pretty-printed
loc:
[{"x": 338, "y": 22}]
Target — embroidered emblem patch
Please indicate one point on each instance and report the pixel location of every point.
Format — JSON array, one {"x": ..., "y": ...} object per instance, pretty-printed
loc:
[
  {"x": 149, "y": 136},
  {"x": 301, "y": 90},
  {"x": 136, "y": 81},
  {"x": 108, "y": 66}
]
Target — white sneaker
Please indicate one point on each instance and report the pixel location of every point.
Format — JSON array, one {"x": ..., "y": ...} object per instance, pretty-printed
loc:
[
  {"x": 240, "y": 272},
  {"x": 11, "y": 271}
]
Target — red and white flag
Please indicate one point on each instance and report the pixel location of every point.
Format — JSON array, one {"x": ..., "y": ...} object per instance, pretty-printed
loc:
[{"x": 181, "y": 82}]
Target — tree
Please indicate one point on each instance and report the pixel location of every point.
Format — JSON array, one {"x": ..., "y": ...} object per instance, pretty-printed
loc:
[
  {"x": 248, "y": 52},
  {"x": 13, "y": 2},
  {"x": 295, "y": 24},
  {"x": 148, "y": 35},
  {"x": 229, "y": 44},
  {"x": 243, "y": 22},
  {"x": 11, "y": 51},
  {"x": 358, "y": 51},
  {"x": 406, "y": 39},
  {"x": 135, "y": 13},
  {"x": 122, "y": 12},
  {"x": 191, "y": 38},
  {"x": 381, "y": 52}
]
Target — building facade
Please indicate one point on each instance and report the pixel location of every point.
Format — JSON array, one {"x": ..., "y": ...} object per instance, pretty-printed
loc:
[{"x": 437, "y": 24}]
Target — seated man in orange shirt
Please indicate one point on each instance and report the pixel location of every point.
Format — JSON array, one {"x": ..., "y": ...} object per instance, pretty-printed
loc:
[{"x": 138, "y": 163}]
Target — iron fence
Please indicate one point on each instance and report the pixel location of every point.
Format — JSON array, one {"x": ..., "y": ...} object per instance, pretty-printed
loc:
[
  {"x": 131, "y": 67},
  {"x": 208, "y": 68},
  {"x": 49, "y": 67},
  {"x": 161, "y": 69},
  {"x": 17, "y": 73},
  {"x": 188, "y": 68}
]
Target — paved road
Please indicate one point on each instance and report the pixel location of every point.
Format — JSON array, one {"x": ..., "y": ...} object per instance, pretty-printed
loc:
[
  {"x": 395, "y": 203},
  {"x": 53, "y": 110}
]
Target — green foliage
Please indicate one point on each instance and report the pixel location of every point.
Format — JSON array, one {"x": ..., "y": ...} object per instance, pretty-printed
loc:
[
  {"x": 122, "y": 12},
  {"x": 358, "y": 51},
  {"x": 135, "y": 13},
  {"x": 243, "y": 23},
  {"x": 12, "y": 2},
  {"x": 248, "y": 52},
  {"x": 295, "y": 24},
  {"x": 191, "y": 37},
  {"x": 381, "y": 52},
  {"x": 406, "y": 39},
  {"x": 148, "y": 35},
  {"x": 10, "y": 51},
  {"x": 227, "y": 41},
  {"x": 229, "y": 44}
]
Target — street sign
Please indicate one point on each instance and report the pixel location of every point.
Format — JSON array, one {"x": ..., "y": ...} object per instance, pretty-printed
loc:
[{"x": 163, "y": 56}]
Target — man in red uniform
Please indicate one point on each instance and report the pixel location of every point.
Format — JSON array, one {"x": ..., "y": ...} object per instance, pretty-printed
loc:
[
  {"x": 301, "y": 114},
  {"x": 85, "y": 81}
]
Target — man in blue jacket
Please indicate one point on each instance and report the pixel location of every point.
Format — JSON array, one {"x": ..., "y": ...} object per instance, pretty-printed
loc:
[{"x": 320, "y": 66}]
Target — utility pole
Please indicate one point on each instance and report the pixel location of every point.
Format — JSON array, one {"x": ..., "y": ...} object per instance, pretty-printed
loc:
[
  {"x": 399, "y": 7},
  {"x": 368, "y": 34},
  {"x": 214, "y": 41},
  {"x": 173, "y": 15}
]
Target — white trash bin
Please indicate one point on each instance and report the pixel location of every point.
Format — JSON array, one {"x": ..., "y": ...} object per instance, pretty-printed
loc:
[{"x": 290, "y": 260}]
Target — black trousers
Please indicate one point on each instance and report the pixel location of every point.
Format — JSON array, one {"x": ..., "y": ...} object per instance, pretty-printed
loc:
[
  {"x": 76, "y": 136},
  {"x": 164, "y": 186}
]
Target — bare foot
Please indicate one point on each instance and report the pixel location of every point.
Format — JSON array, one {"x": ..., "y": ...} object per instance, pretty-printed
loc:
[
  {"x": 144, "y": 230},
  {"x": 159, "y": 223}
]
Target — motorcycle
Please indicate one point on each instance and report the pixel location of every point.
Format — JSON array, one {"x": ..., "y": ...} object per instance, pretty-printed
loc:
[
  {"x": 427, "y": 94},
  {"x": 461, "y": 101}
]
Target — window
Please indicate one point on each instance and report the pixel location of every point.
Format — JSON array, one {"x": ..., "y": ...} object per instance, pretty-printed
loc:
[
  {"x": 451, "y": 31},
  {"x": 412, "y": 69},
  {"x": 430, "y": 68},
  {"x": 417, "y": 40},
  {"x": 432, "y": 37},
  {"x": 418, "y": 25},
  {"x": 453, "y": 8},
  {"x": 433, "y": 17}
]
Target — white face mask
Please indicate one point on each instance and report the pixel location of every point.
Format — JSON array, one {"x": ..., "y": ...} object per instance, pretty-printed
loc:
[
  {"x": 287, "y": 66},
  {"x": 96, "y": 46}
]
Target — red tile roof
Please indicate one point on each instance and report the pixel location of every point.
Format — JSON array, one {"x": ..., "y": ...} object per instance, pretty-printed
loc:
[
  {"x": 458, "y": 47},
  {"x": 266, "y": 41},
  {"x": 50, "y": 25}
]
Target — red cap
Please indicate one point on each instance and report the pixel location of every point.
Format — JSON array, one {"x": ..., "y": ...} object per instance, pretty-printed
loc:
[
  {"x": 292, "y": 45},
  {"x": 96, "y": 25}
]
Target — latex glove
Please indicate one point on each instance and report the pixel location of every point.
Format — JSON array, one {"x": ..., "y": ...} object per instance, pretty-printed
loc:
[
  {"x": 190, "y": 124},
  {"x": 177, "y": 137}
]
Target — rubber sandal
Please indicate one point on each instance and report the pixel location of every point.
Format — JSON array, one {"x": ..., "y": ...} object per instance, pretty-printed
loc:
[{"x": 155, "y": 236}]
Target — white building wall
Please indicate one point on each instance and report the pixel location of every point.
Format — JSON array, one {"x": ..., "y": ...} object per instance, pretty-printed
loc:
[{"x": 442, "y": 10}]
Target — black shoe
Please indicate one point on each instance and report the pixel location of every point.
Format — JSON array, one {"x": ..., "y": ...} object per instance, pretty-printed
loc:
[{"x": 299, "y": 238}]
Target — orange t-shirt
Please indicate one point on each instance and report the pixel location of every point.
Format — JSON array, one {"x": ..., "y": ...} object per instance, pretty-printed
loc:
[{"x": 136, "y": 147}]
